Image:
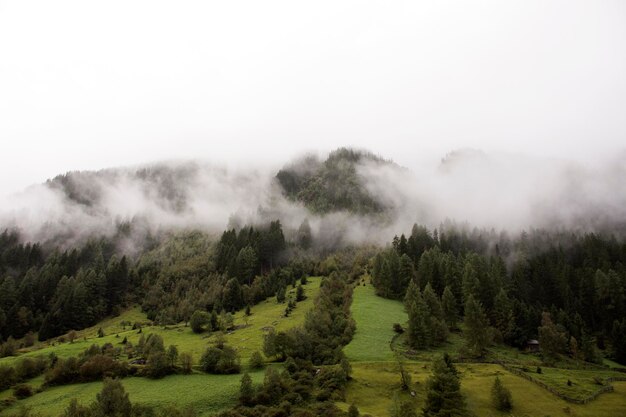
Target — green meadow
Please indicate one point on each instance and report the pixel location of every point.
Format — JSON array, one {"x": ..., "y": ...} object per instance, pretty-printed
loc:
[
  {"x": 206, "y": 393},
  {"x": 376, "y": 378}
]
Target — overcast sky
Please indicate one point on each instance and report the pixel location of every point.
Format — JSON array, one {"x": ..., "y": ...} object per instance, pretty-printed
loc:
[{"x": 88, "y": 85}]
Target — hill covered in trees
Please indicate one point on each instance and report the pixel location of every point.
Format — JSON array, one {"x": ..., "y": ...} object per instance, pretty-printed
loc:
[
  {"x": 334, "y": 184},
  {"x": 153, "y": 273}
]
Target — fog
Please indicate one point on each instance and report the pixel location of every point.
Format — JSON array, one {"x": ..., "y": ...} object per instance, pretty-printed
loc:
[
  {"x": 528, "y": 95},
  {"x": 511, "y": 192}
]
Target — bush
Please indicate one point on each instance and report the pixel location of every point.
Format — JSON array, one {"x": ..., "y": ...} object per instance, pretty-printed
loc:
[
  {"x": 7, "y": 377},
  {"x": 186, "y": 362},
  {"x": 22, "y": 391},
  {"x": 256, "y": 360},
  {"x": 100, "y": 366},
  {"x": 8, "y": 348},
  {"x": 28, "y": 368},
  {"x": 501, "y": 396},
  {"x": 158, "y": 365},
  {"x": 220, "y": 360},
  {"x": 397, "y": 327},
  {"x": 198, "y": 320}
]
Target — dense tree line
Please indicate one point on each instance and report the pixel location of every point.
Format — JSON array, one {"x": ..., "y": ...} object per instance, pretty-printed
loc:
[
  {"x": 54, "y": 292},
  {"x": 506, "y": 285},
  {"x": 315, "y": 369}
]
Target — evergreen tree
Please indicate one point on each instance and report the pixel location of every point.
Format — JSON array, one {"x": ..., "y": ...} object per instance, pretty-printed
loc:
[
  {"x": 443, "y": 391},
  {"x": 246, "y": 390},
  {"x": 618, "y": 337},
  {"x": 552, "y": 339},
  {"x": 476, "y": 327},
  {"x": 501, "y": 396},
  {"x": 418, "y": 332},
  {"x": 450, "y": 308},
  {"x": 503, "y": 318},
  {"x": 112, "y": 401}
]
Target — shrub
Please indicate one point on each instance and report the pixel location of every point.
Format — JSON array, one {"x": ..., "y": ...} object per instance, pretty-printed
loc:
[
  {"x": 256, "y": 360},
  {"x": 397, "y": 327},
  {"x": 100, "y": 366},
  {"x": 220, "y": 360},
  {"x": 158, "y": 365},
  {"x": 198, "y": 320},
  {"x": 7, "y": 377},
  {"x": 28, "y": 368},
  {"x": 186, "y": 362},
  {"x": 22, "y": 391}
]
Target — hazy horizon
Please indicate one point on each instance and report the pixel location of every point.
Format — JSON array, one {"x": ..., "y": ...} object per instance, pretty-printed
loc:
[{"x": 87, "y": 87}]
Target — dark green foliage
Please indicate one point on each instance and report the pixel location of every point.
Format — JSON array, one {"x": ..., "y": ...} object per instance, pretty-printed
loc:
[
  {"x": 501, "y": 396},
  {"x": 186, "y": 362},
  {"x": 332, "y": 185},
  {"x": 353, "y": 411},
  {"x": 300, "y": 293},
  {"x": 552, "y": 339},
  {"x": 450, "y": 308},
  {"x": 443, "y": 391},
  {"x": 403, "y": 408},
  {"x": 220, "y": 360},
  {"x": 618, "y": 337},
  {"x": 419, "y": 331},
  {"x": 246, "y": 390},
  {"x": 198, "y": 320},
  {"x": 477, "y": 334},
  {"x": 112, "y": 401},
  {"x": 256, "y": 360},
  {"x": 280, "y": 294},
  {"x": 22, "y": 391}
]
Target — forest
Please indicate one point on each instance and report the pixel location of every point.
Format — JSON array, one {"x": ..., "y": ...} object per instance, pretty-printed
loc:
[{"x": 283, "y": 324}]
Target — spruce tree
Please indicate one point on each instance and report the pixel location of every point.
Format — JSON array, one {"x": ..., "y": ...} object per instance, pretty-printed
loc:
[
  {"x": 418, "y": 331},
  {"x": 443, "y": 391},
  {"x": 112, "y": 401},
  {"x": 501, "y": 396},
  {"x": 476, "y": 327},
  {"x": 246, "y": 390},
  {"x": 450, "y": 308}
]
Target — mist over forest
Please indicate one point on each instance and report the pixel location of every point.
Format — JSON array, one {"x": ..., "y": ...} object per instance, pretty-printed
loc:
[{"x": 348, "y": 196}]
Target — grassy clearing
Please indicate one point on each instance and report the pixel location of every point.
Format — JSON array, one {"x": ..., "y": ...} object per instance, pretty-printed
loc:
[
  {"x": 247, "y": 338},
  {"x": 583, "y": 382},
  {"x": 206, "y": 393},
  {"x": 374, "y": 386},
  {"x": 374, "y": 318}
]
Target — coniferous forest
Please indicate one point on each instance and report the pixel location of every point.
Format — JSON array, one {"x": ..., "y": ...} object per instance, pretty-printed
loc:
[{"x": 291, "y": 312}]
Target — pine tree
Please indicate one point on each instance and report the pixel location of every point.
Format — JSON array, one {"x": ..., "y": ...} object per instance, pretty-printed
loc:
[
  {"x": 438, "y": 328},
  {"x": 501, "y": 396},
  {"x": 443, "y": 391},
  {"x": 450, "y": 308},
  {"x": 476, "y": 327},
  {"x": 112, "y": 401},
  {"x": 418, "y": 332},
  {"x": 246, "y": 390}
]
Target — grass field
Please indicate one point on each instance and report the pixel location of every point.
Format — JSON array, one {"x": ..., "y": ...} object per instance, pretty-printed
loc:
[
  {"x": 376, "y": 377},
  {"x": 375, "y": 385},
  {"x": 205, "y": 393},
  {"x": 374, "y": 318},
  {"x": 247, "y": 338}
]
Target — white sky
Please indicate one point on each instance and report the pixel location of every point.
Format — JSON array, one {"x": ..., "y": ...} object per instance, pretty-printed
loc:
[{"x": 87, "y": 85}]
